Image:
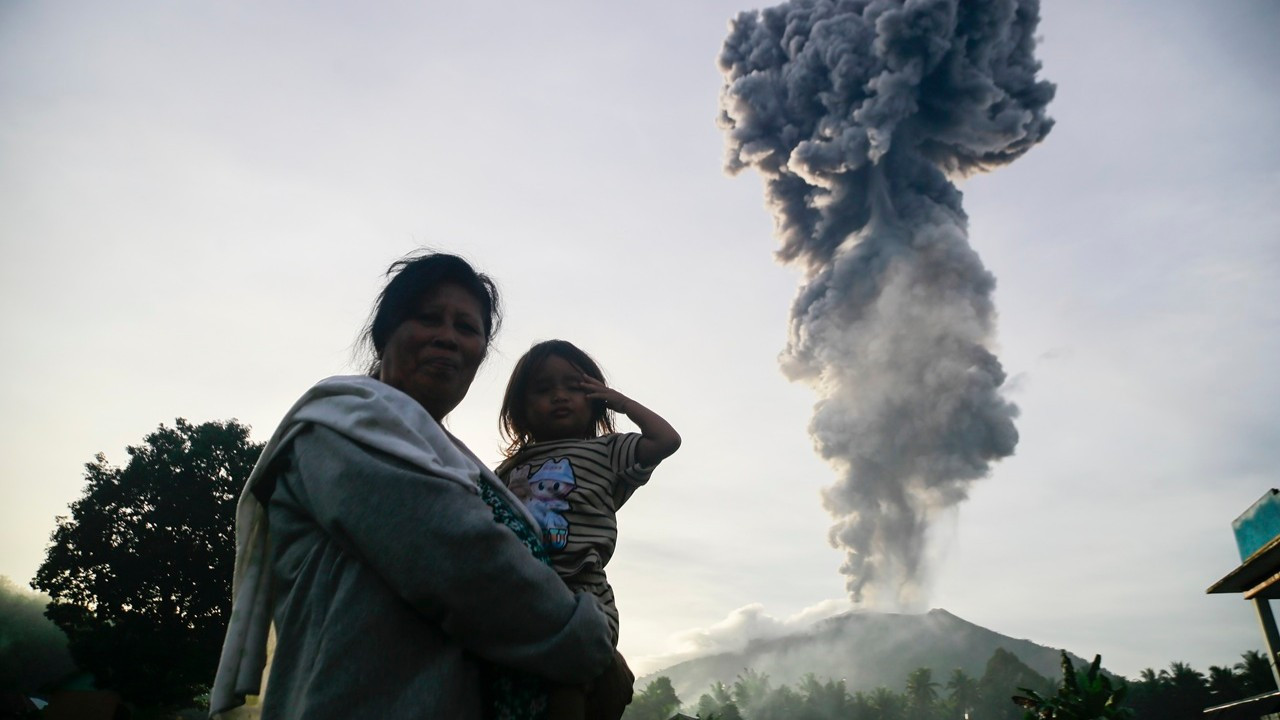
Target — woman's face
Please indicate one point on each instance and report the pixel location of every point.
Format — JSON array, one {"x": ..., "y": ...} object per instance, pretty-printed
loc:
[{"x": 434, "y": 354}]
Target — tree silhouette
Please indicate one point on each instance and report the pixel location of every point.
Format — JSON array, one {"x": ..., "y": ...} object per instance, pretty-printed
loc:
[
  {"x": 1254, "y": 671},
  {"x": 860, "y": 707},
  {"x": 783, "y": 703},
  {"x": 1149, "y": 696},
  {"x": 1083, "y": 695},
  {"x": 962, "y": 692},
  {"x": 749, "y": 688},
  {"x": 887, "y": 704},
  {"x": 711, "y": 703},
  {"x": 658, "y": 701},
  {"x": 921, "y": 693},
  {"x": 824, "y": 701},
  {"x": 1186, "y": 686},
  {"x": 1224, "y": 684},
  {"x": 1177, "y": 693},
  {"x": 728, "y": 711},
  {"x": 140, "y": 572}
]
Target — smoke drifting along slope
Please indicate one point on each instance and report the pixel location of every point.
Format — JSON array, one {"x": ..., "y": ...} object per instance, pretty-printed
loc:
[
  {"x": 865, "y": 649},
  {"x": 859, "y": 113}
]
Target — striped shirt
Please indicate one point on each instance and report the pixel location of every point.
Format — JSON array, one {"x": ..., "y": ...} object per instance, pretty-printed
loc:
[{"x": 574, "y": 488}]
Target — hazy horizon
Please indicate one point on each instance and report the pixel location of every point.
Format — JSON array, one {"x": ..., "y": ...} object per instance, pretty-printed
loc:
[{"x": 199, "y": 202}]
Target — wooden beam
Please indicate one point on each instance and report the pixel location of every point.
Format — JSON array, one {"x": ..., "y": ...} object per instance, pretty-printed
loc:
[
  {"x": 1271, "y": 634},
  {"x": 1265, "y": 589}
]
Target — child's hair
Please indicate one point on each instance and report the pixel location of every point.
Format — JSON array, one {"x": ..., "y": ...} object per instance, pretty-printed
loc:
[{"x": 513, "y": 421}]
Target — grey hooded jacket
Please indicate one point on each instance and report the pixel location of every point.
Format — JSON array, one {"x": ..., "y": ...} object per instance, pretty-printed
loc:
[{"x": 389, "y": 585}]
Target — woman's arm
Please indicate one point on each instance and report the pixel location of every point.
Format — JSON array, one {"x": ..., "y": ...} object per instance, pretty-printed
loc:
[
  {"x": 436, "y": 545},
  {"x": 658, "y": 440}
]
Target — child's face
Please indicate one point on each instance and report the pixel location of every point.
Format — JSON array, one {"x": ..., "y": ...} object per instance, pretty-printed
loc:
[{"x": 556, "y": 406}]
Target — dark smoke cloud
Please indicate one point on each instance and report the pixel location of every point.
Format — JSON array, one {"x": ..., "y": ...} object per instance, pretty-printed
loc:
[{"x": 859, "y": 114}]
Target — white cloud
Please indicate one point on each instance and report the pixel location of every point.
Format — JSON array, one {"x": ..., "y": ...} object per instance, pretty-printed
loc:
[{"x": 735, "y": 632}]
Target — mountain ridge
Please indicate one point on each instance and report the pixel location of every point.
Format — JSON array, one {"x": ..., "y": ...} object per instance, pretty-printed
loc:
[{"x": 866, "y": 649}]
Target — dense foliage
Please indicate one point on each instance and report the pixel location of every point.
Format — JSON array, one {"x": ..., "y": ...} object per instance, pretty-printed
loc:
[
  {"x": 140, "y": 572},
  {"x": 1180, "y": 691},
  {"x": 656, "y": 701},
  {"x": 1175, "y": 694},
  {"x": 753, "y": 697},
  {"x": 1083, "y": 695}
]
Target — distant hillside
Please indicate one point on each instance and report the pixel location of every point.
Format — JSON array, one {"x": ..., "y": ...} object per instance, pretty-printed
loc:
[{"x": 867, "y": 650}]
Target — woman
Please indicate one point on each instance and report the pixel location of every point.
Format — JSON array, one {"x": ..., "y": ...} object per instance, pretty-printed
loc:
[{"x": 389, "y": 560}]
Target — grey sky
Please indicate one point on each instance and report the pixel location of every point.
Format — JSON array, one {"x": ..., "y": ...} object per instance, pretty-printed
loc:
[{"x": 198, "y": 201}]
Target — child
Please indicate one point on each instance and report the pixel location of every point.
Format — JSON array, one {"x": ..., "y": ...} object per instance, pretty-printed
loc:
[{"x": 573, "y": 471}]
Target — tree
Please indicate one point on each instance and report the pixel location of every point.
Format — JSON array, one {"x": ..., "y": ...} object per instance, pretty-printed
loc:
[
  {"x": 962, "y": 692},
  {"x": 887, "y": 704},
  {"x": 782, "y": 703},
  {"x": 921, "y": 692},
  {"x": 861, "y": 708},
  {"x": 1147, "y": 695},
  {"x": 707, "y": 707},
  {"x": 824, "y": 701},
  {"x": 711, "y": 703},
  {"x": 1254, "y": 671},
  {"x": 728, "y": 711},
  {"x": 1224, "y": 684},
  {"x": 749, "y": 688},
  {"x": 1083, "y": 695},
  {"x": 1188, "y": 689},
  {"x": 658, "y": 701},
  {"x": 140, "y": 572}
]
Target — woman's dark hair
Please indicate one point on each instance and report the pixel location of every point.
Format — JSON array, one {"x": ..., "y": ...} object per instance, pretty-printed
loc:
[
  {"x": 412, "y": 277},
  {"x": 513, "y": 420}
]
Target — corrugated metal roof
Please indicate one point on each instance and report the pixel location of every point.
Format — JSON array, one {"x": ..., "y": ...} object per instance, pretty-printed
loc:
[{"x": 1248, "y": 709}]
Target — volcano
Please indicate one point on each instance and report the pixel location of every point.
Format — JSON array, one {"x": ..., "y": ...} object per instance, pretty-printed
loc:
[{"x": 867, "y": 650}]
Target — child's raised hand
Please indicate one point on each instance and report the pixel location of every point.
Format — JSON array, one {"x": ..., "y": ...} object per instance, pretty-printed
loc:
[
  {"x": 596, "y": 390},
  {"x": 657, "y": 438}
]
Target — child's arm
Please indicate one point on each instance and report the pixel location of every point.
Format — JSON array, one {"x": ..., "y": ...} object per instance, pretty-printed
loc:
[{"x": 658, "y": 440}]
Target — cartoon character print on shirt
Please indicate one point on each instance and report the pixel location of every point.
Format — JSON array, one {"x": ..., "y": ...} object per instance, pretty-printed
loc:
[{"x": 548, "y": 488}]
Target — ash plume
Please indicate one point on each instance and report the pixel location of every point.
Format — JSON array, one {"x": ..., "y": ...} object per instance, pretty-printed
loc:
[{"x": 859, "y": 114}]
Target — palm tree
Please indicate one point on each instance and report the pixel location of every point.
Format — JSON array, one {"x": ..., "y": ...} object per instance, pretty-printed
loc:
[
  {"x": 1224, "y": 684},
  {"x": 922, "y": 692},
  {"x": 887, "y": 704},
  {"x": 1187, "y": 687},
  {"x": 1254, "y": 671},
  {"x": 861, "y": 707},
  {"x": 1182, "y": 676},
  {"x": 963, "y": 692},
  {"x": 825, "y": 700},
  {"x": 749, "y": 688},
  {"x": 1147, "y": 694}
]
